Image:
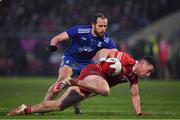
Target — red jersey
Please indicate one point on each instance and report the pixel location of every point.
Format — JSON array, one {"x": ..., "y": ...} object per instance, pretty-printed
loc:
[
  {"x": 124, "y": 76},
  {"x": 127, "y": 69}
]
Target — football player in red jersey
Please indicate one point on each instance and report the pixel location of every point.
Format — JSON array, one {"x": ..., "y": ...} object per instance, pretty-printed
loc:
[{"x": 114, "y": 68}]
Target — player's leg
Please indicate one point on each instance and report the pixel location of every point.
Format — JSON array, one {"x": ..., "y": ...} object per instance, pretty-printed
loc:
[
  {"x": 76, "y": 72},
  {"x": 71, "y": 96},
  {"x": 96, "y": 84},
  {"x": 77, "y": 108},
  {"x": 64, "y": 72}
]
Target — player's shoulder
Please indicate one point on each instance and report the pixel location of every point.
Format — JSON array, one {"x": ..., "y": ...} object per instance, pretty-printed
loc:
[
  {"x": 106, "y": 34},
  {"x": 107, "y": 38},
  {"x": 83, "y": 28}
]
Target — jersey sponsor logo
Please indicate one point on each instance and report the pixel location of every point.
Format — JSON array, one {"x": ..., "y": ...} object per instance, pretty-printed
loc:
[
  {"x": 85, "y": 49},
  {"x": 85, "y": 30}
]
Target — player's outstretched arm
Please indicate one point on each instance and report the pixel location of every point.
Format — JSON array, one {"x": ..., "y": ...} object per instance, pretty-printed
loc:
[
  {"x": 103, "y": 54},
  {"x": 135, "y": 98},
  {"x": 61, "y": 37},
  {"x": 55, "y": 40}
]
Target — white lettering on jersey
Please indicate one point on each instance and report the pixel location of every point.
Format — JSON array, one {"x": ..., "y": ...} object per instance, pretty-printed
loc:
[
  {"x": 85, "y": 49},
  {"x": 83, "y": 38},
  {"x": 85, "y": 30}
]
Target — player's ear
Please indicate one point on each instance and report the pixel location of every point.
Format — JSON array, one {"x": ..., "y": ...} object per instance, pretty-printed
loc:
[{"x": 93, "y": 25}]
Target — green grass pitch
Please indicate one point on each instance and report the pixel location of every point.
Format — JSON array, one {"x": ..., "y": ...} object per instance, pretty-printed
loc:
[{"x": 159, "y": 98}]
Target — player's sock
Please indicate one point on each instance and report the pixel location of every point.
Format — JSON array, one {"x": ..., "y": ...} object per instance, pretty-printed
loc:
[
  {"x": 27, "y": 110},
  {"x": 73, "y": 82}
]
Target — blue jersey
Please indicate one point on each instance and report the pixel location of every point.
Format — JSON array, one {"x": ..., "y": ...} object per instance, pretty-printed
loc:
[{"x": 84, "y": 46}]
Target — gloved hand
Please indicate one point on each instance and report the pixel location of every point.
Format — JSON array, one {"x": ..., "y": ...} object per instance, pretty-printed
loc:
[{"x": 51, "y": 48}]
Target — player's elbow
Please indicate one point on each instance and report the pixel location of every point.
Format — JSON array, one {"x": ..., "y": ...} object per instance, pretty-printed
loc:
[
  {"x": 134, "y": 90},
  {"x": 133, "y": 94}
]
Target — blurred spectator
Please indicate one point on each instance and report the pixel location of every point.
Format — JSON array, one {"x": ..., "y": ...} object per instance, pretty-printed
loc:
[
  {"x": 163, "y": 59},
  {"x": 28, "y": 44},
  {"x": 6, "y": 66},
  {"x": 151, "y": 47},
  {"x": 21, "y": 20}
]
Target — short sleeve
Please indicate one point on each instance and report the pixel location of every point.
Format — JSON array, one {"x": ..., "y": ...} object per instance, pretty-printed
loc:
[
  {"x": 134, "y": 80},
  {"x": 72, "y": 31}
]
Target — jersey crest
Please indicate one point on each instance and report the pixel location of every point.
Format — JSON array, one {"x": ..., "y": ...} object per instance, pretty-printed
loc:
[{"x": 106, "y": 39}]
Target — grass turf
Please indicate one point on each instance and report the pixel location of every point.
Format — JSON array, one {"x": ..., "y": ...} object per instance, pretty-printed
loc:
[{"x": 160, "y": 99}]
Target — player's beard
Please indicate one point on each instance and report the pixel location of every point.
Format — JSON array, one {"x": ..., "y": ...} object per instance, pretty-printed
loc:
[{"x": 98, "y": 34}]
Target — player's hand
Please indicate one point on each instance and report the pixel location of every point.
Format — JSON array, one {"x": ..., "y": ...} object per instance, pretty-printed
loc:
[
  {"x": 111, "y": 66},
  {"x": 106, "y": 67},
  {"x": 143, "y": 114},
  {"x": 139, "y": 114},
  {"x": 51, "y": 48}
]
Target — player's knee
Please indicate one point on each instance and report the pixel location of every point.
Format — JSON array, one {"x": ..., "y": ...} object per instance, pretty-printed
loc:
[{"x": 73, "y": 89}]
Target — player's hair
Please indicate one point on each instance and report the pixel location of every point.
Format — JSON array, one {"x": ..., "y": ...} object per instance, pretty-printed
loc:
[
  {"x": 151, "y": 60},
  {"x": 96, "y": 16}
]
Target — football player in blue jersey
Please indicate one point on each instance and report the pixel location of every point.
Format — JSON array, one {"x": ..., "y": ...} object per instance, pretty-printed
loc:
[{"x": 86, "y": 41}]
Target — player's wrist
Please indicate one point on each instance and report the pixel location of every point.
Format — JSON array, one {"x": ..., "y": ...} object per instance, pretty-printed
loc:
[{"x": 51, "y": 48}]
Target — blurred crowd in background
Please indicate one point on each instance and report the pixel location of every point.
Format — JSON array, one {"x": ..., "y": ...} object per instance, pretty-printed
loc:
[{"x": 27, "y": 26}]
